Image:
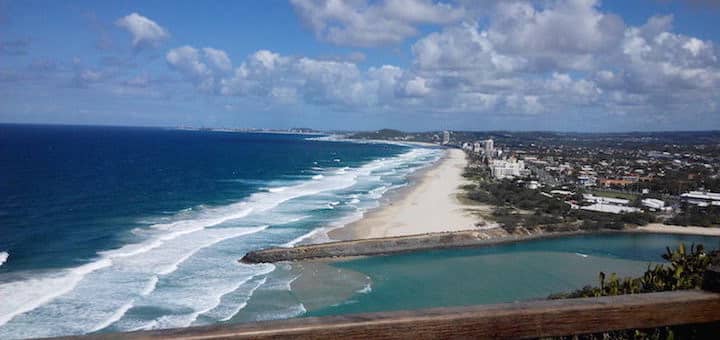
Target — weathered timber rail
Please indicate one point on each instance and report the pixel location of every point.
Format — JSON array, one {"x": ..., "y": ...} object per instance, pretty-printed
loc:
[
  {"x": 398, "y": 244},
  {"x": 509, "y": 320}
]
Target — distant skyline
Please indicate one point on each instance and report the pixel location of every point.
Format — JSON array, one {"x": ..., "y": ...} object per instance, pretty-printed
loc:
[{"x": 555, "y": 65}]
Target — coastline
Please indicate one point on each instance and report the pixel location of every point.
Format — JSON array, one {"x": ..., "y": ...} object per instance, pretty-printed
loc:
[
  {"x": 428, "y": 205},
  {"x": 676, "y": 229}
]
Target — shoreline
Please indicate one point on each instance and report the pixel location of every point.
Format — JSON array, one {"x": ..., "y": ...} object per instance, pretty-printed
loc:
[
  {"x": 661, "y": 228},
  {"x": 428, "y": 204}
]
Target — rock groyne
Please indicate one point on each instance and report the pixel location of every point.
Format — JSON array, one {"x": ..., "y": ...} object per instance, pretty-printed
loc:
[{"x": 385, "y": 245}]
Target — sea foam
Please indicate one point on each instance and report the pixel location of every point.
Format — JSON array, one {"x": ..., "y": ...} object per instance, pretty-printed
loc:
[{"x": 162, "y": 270}]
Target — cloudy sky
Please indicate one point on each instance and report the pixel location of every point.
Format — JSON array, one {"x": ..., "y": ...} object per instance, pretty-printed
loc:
[{"x": 568, "y": 65}]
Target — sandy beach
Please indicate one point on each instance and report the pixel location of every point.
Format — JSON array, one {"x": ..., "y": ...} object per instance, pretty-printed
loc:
[
  {"x": 430, "y": 205},
  {"x": 674, "y": 229}
]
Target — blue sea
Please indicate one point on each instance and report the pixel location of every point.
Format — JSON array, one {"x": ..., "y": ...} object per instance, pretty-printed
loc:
[{"x": 108, "y": 228}]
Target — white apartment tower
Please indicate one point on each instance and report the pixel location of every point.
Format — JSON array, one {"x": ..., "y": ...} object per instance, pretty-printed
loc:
[
  {"x": 446, "y": 137},
  {"x": 507, "y": 169},
  {"x": 489, "y": 147}
]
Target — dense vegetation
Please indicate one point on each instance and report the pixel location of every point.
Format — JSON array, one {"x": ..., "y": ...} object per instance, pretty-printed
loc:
[
  {"x": 684, "y": 271},
  {"x": 697, "y": 216},
  {"x": 518, "y": 206},
  {"x": 680, "y": 181}
]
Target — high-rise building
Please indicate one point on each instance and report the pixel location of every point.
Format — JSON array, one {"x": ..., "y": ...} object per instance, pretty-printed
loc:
[
  {"x": 507, "y": 169},
  {"x": 489, "y": 148},
  {"x": 446, "y": 137}
]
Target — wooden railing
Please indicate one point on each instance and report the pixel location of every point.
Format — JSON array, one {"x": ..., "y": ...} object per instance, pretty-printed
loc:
[{"x": 508, "y": 320}]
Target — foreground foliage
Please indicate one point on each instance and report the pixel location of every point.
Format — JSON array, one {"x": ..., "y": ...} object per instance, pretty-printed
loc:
[{"x": 685, "y": 271}]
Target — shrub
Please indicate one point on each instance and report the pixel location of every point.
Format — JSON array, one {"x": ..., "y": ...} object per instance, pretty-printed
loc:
[{"x": 685, "y": 271}]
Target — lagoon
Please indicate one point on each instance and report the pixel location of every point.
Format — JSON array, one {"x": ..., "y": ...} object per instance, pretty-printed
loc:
[{"x": 503, "y": 273}]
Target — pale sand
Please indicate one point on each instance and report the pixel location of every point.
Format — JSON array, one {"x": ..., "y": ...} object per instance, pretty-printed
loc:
[
  {"x": 431, "y": 205},
  {"x": 674, "y": 229}
]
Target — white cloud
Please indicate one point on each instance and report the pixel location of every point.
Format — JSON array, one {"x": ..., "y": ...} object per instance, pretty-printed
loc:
[
  {"x": 463, "y": 49},
  {"x": 656, "y": 60},
  {"x": 530, "y": 58},
  {"x": 416, "y": 87},
  {"x": 187, "y": 60},
  {"x": 204, "y": 69},
  {"x": 145, "y": 32},
  {"x": 365, "y": 24},
  {"x": 564, "y": 35},
  {"x": 523, "y": 104},
  {"x": 218, "y": 59},
  {"x": 340, "y": 84}
]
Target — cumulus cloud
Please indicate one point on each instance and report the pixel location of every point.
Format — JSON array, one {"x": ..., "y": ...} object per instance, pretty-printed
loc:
[
  {"x": 564, "y": 35},
  {"x": 364, "y": 24},
  {"x": 204, "y": 67},
  {"x": 322, "y": 82},
  {"x": 145, "y": 32},
  {"x": 218, "y": 59},
  {"x": 525, "y": 54},
  {"x": 416, "y": 87},
  {"x": 655, "y": 58},
  {"x": 527, "y": 58}
]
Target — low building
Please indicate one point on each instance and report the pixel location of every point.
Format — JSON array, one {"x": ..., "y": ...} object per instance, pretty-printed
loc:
[
  {"x": 701, "y": 198},
  {"x": 587, "y": 181},
  {"x": 532, "y": 185},
  {"x": 653, "y": 203},
  {"x": 610, "y": 208},
  {"x": 612, "y": 182},
  {"x": 562, "y": 192},
  {"x": 605, "y": 200}
]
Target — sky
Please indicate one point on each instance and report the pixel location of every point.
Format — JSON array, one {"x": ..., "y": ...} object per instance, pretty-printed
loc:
[{"x": 560, "y": 65}]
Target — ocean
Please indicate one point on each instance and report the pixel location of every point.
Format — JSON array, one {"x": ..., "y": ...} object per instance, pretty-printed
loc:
[{"x": 108, "y": 228}]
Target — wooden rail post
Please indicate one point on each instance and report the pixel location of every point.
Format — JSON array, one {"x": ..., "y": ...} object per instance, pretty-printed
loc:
[{"x": 711, "y": 278}]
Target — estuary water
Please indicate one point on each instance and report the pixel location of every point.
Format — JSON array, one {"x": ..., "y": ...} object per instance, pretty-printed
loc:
[{"x": 504, "y": 273}]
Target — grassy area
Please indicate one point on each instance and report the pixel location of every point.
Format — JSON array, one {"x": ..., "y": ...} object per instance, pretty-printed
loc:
[{"x": 612, "y": 194}]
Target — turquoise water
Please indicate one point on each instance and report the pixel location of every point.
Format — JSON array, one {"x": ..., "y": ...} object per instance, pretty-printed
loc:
[{"x": 505, "y": 273}]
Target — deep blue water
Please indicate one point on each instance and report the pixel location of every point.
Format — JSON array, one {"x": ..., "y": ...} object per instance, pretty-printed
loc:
[
  {"x": 141, "y": 227},
  {"x": 67, "y": 192}
]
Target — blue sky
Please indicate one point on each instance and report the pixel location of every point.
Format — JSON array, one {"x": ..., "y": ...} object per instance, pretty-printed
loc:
[{"x": 569, "y": 65}]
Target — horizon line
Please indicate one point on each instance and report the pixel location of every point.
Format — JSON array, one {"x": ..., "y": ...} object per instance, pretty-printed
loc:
[{"x": 260, "y": 129}]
